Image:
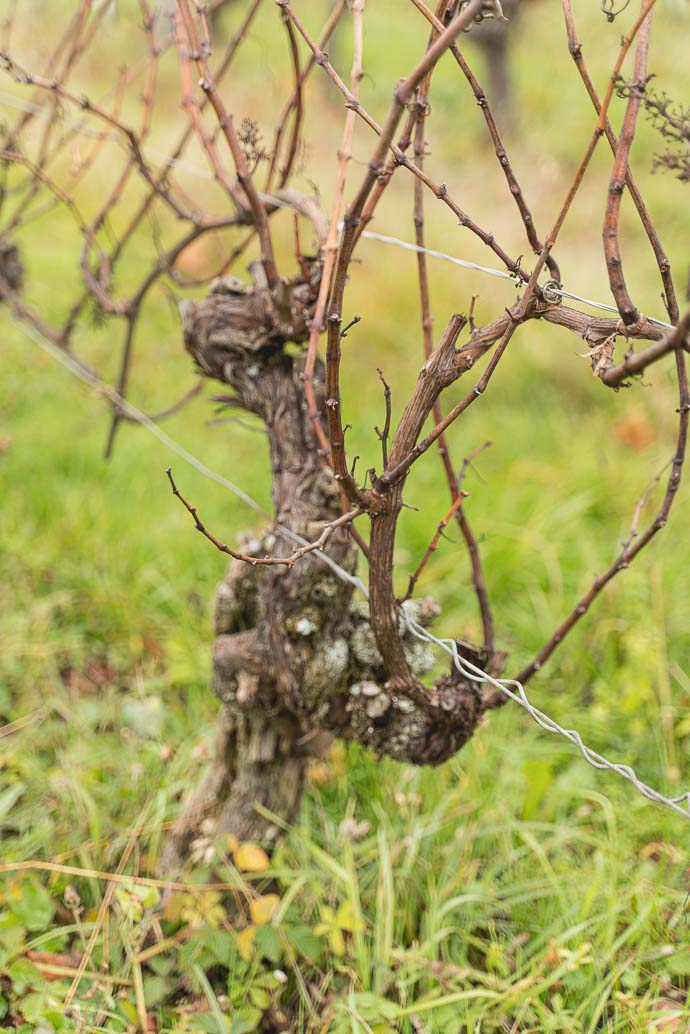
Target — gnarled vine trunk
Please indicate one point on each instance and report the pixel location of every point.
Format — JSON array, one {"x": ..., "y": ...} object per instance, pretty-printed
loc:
[{"x": 296, "y": 661}]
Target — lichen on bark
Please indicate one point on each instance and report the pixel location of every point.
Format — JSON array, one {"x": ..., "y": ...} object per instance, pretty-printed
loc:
[{"x": 296, "y": 661}]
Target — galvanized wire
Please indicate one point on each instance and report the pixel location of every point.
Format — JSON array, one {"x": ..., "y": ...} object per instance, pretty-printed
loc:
[
  {"x": 510, "y": 687},
  {"x": 553, "y": 289},
  {"x": 162, "y": 160}
]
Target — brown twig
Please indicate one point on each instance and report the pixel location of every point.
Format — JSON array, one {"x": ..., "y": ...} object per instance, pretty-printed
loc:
[
  {"x": 575, "y": 48},
  {"x": 192, "y": 108},
  {"x": 433, "y": 546},
  {"x": 330, "y": 248},
  {"x": 629, "y": 312},
  {"x": 633, "y": 546},
  {"x": 402, "y": 94},
  {"x": 225, "y": 122},
  {"x": 383, "y": 435},
  {"x": 265, "y": 561},
  {"x": 478, "y": 581},
  {"x": 298, "y": 107},
  {"x": 501, "y": 154},
  {"x": 386, "y": 132},
  {"x": 636, "y": 362},
  {"x": 325, "y": 35},
  {"x": 163, "y": 414}
]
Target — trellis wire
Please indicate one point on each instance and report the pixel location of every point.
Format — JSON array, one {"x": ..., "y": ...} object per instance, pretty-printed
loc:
[
  {"x": 510, "y": 687},
  {"x": 408, "y": 246},
  {"x": 163, "y": 161}
]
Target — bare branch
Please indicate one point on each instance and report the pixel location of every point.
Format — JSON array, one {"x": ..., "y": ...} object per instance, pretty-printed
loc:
[
  {"x": 629, "y": 312},
  {"x": 433, "y": 546},
  {"x": 264, "y": 561},
  {"x": 383, "y": 435}
]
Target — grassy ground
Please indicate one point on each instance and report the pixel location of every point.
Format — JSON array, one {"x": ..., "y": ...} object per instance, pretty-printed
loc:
[{"x": 513, "y": 889}]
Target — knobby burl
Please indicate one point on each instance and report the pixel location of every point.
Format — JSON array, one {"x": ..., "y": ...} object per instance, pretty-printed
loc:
[{"x": 296, "y": 660}]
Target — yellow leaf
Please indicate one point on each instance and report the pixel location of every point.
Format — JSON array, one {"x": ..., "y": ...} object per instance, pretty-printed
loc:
[
  {"x": 327, "y": 914},
  {"x": 346, "y": 920},
  {"x": 233, "y": 843},
  {"x": 336, "y": 941},
  {"x": 174, "y": 907},
  {"x": 251, "y": 858},
  {"x": 245, "y": 942},
  {"x": 264, "y": 908}
]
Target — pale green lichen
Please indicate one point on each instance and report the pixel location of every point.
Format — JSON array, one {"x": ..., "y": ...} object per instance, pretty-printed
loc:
[
  {"x": 334, "y": 658},
  {"x": 308, "y": 622},
  {"x": 364, "y": 646},
  {"x": 403, "y": 704},
  {"x": 366, "y": 689},
  {"x": 420, "y": 658},
  {"x": 323, "y": 676}
]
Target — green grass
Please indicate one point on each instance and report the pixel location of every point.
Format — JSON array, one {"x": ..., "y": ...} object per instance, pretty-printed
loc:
[{"x": 514, "y": 888}]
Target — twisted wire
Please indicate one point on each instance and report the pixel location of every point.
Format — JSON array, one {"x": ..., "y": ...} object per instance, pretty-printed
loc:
[
  {"x": 553, "y": 289},
  {"x": 510, "y": 687}
]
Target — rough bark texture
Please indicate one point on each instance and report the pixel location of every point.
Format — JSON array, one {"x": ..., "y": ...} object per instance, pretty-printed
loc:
[{"x": 296, "y": 661}]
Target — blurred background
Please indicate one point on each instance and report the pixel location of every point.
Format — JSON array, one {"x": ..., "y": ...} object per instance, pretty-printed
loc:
[{"x": 514, "y": 888}]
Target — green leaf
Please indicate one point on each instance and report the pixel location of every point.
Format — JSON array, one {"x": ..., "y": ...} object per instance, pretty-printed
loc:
[
  {"x": 221, "y": 945},
  {"x": 449, "y": 1019},
  {"x": 23, "y": 975},
  {"x": 38, "y": 1006},
  {"x": 162, "y": 965},
  {"x": 345, "y": 918},
  {"x": 9, "y": 797},
  {"x": 259, "y": 998},
  {"x": 156, "y": 989},
  {"x": 189, "y": 954},
  {"x": 11, "y": 941},
  {"x": 245, "y": 1020},
  {"x": 679, "y": 964},
  {"x": 32, "y": 904},
  {"x": 268, "y": 944},
  {"x": 371, "y": 1007},
  {"x": 4, "y": 1006},
  {"x": 205, "y": 1023},
  {"x": 305, "y": 942},
  {"x": 148, "y": 896}
]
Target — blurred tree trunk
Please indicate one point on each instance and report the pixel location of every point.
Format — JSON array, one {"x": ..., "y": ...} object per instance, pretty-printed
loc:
[{"x": 495, "y": 38}]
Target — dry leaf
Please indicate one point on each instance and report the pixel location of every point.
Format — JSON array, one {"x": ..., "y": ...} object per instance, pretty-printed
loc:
[
  {"x": 668, "y": 1018},
  {"x": 49, "y": 961},
  {"x": 601, "y": 355}
]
